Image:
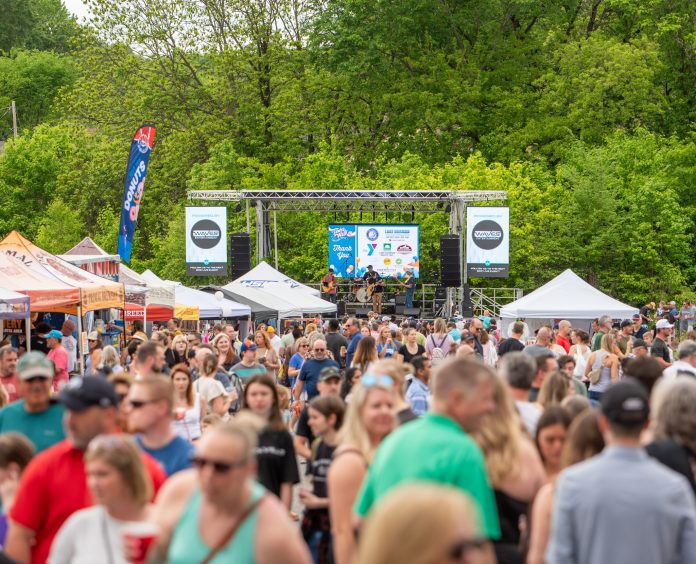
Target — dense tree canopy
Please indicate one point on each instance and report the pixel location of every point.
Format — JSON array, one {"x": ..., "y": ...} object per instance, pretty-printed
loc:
[{"x": 583, "y": 110}]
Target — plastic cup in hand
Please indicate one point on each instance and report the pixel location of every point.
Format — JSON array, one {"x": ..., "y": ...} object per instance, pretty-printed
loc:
[
  {"x": 138, "y": 538},
  {"x": 180, "y": 413}
]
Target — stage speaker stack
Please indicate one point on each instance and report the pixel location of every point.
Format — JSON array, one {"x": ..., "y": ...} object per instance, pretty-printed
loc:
[
  {"x": 362, "y": 313},
  {"x": 340, "y": 308},
  {"x": 450, "y": 274},
  {"x": 467, "y": 309},
  {"x": 240, "y": 254},
  {"x": 412, "y": 312}
]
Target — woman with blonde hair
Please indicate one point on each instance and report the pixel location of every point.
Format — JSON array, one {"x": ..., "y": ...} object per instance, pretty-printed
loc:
[
  {"x": 397, "y": 370},
  {"x": 421, "y": 524},
  {"x": 121, "y": 490},
  {"x": 513, "y": 466},
  {"x": 265, "y": 353},
  {"x": 365, "y": 354},
  {"x": 222, "y": 344},
  {"x": 584, "y": 441},
  {"x": 369, "y": 418},
  {"x": 556, "y": 387},
  {"x": 301, "y": 348},
  {"x": 177, "y": 352},
  {"x": 438, "y": 339},
  {"x": 674, "y": 426},
  {"x": 212, "y": 391},
  {"x": 607, "y": 364}
]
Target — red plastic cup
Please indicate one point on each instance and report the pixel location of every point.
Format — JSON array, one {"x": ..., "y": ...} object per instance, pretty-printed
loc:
[{"x": 138, "y": 538}]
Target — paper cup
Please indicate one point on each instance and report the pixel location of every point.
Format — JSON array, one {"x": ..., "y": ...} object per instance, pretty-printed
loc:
[{"x": 139, "y": 537}]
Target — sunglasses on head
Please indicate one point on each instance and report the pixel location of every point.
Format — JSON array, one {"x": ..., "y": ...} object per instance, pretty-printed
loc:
[
  {"x": 219, "y": 467},
  {"x": 371, "y": 380},
  {"x": 460, "y": 549}
]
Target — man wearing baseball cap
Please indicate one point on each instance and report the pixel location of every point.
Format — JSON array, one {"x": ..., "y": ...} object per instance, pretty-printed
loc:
[
  {"x": 275, "y": 339},
  {"x": 36, "y": 416},
  {"x": 660, "y": 348},
  {"x": 248, "y": 366},
  {"x": 621, "y": 506},
  {"x": 54, "y": 485},
  {"x": 59, "y": 357}
]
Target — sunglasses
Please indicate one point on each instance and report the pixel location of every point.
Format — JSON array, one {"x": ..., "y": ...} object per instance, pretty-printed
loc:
[
  {"x": 137, "y": 404},
  {"x": 370, "y": 381},
  {"x": 459, "y": 550},
  {"x": 199, "y": 463},
  {"x": 319, "y": 350}
]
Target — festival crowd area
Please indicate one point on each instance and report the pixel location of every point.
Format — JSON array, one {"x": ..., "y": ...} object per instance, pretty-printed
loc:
[{"x": 349, "y": 441}]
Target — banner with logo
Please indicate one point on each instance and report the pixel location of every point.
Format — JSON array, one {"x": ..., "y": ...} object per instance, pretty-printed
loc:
[
  {"x": 139, "y": 157},
  {"x": 206, "y": 241},
  {"x": 488, "y": 242},
  {"x": 392, "y": 250}
]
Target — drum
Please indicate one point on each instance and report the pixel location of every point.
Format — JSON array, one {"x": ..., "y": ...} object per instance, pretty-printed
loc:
[{"x": 362, "y": 295}]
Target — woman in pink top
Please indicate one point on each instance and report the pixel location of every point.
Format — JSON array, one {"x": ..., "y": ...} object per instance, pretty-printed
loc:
[{"x": 59, "y": 357}]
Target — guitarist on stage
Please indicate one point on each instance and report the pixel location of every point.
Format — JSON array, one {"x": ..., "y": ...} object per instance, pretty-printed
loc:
[
  {"x": 375, "y": 285},
  {"x": 329, "y": 286}
]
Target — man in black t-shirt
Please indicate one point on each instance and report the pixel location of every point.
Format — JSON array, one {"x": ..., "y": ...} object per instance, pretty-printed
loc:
[
  {"x": 514, "y": 342},
  {"x": 329, "y": 384},
  {"x": 660, "y": 349},
  {"x": 372, "y": 278},
  {"x": 334, "y": 342}
]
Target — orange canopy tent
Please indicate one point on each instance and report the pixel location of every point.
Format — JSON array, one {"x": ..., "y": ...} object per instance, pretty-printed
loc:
[{"x": 51, "y": 283}]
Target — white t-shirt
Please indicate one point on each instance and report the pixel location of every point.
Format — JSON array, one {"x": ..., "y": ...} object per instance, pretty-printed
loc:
[
  {"x": 529, "y": 413},
  {"x": 83, "y": 539},
  {"x": 70, "y": 345}
]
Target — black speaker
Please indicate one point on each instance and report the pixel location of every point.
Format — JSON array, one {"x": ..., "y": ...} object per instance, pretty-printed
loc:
[
  {"x": 340, "y": 308},
  {"x": 399, "y": 310},
  {"x": 467, "y": 309},
  {"x": 450, "y": 274},
  {"x": 412, "y": 311},
  {"x": 440, "y": 293},
  {"x": 362, "y": 312},
  {"x": 240, "y": 254},
  {"x": 400, "y": 299}
]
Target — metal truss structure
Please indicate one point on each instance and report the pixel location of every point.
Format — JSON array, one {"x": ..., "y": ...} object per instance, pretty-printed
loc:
[{"x": 265, "y": 202}]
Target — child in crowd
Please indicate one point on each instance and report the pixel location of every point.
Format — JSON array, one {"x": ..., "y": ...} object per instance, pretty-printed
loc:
[{"x": 325, "y": 419}]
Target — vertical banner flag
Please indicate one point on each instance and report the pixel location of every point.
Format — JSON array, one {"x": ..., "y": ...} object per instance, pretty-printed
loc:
[
  {"x": 133, "y": 191},
  {"x": 488, "y": 242},
  {"x": 206, "y": 241}
]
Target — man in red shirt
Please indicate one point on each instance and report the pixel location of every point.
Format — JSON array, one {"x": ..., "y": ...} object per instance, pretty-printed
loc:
[
  {"x": 54, "y": 485},
  {"x": 563, "y": 335},
  {"x": 8, "y": 372},
  {"x": 59, "y": 357}
]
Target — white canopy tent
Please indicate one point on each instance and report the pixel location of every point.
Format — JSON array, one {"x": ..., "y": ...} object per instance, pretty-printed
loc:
[
  {"x": 264, "y": 277},
  {"x": 283, "y": 308},
  {"x": 210, "y": 307},
  {"x": 565, "y": 297}
]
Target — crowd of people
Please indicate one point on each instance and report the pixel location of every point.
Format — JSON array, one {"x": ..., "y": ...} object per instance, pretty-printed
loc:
[{"x": 368, "y": 441}]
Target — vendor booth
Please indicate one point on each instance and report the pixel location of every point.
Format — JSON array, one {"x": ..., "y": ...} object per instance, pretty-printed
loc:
[
  {"x": 565, "y": 297},
  {"x": 264, "y": 277}
]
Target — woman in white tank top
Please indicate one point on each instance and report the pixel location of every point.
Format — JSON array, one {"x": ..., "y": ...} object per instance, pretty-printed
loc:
[
  {"x": 580, "y": 351},
  {"x": 189, "y": 408}
]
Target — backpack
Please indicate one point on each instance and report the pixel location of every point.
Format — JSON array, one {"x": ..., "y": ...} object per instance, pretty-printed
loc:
[
  {"x": 237, "y": 386},
  {"x": 437, "y": 355}
]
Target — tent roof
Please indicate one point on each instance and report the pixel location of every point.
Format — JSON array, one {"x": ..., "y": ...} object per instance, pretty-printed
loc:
[
  {"x": 268, "y": 300},
  {"x": 567, "y": 296},
  {"x": 257, "y": 309},
  {"x": 210, "y": 308},
  {"x": 87, "y": 251},
  {"x": 264, "y": 277},
  {"x": 52, "y": 283},
  {"x": 13, "y": 305}
]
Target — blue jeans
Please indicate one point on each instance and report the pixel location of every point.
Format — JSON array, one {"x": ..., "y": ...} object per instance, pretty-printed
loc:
[
  {"x": 594, "y": 397},
  {"x": 409, "y": 298}
]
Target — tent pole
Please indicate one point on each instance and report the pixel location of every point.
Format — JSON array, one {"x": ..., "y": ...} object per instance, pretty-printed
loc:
[
  {"x": 79, "y": 333},
  {"x": 27, "y": 330}
]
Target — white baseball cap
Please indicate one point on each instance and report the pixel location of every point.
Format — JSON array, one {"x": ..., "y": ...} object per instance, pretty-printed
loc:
[{"x": 663, "y": 324}]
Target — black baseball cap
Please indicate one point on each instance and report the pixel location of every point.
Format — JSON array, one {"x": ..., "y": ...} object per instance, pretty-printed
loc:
[
  {"x": 626, "y": 403},
  {"x": 82, "y": 393}
]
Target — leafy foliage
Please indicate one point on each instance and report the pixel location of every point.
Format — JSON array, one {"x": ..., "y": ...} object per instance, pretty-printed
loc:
[{"x": 583, "y": 111}]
